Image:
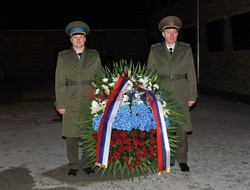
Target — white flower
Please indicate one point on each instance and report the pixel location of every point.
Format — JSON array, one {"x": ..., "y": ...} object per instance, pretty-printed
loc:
[
  {"x": 164, "y": 104},
  {"x": 94, "y": 107},
  {"x": 103, "y": 105},
  {"x": 133, "y": 79},
  {"x": 143, "y": 81},
  {"x": 130, "y": 85},
  {"x": 129, "y": 88},
  {"x": 107, "y": 92},
  {"x": 105, "y": 80},
  {"x": 130, "y": 82},
  {"x": 149, "y": 88},
  {"x": 97, "y": 91},
  {"x": 167, "y": 111},
  {"x": 111, "y": 84},
  {"x": 155, "y": 86},
  {"x": 105, "y": 87},
  {"x": 150, "y": 83},
  {"x": 137, "y": 95},
  {"x": 115, "y": 79},
  {"x": 94, "y": 104},
  {"x": 104, "y": 102},
  {"x": 125, "y": 98}
]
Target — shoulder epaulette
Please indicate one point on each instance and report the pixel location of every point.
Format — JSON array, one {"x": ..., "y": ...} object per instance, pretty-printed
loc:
[
  {"x": 93, "y": 50},
  {"x": 64, "y": 52},
  {"x": 157, "y": 44},
  {"x": 184, "y": 44}
]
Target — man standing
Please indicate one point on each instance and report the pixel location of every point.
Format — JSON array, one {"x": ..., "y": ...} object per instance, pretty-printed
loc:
[
  {"x": 174, "y": 62},
  {"x": 75, "y": 68}
]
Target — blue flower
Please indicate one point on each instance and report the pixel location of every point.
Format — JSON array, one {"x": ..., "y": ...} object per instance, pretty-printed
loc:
[{"x": 130, "y": 117}]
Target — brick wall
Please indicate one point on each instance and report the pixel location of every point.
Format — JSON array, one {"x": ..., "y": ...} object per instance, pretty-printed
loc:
[{"x": 227, "y": 71}]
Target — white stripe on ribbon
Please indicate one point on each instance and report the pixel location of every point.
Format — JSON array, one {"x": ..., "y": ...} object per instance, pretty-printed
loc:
[
  {"x": 109, "y": 125},
  {"x": 165, "y": 136}
]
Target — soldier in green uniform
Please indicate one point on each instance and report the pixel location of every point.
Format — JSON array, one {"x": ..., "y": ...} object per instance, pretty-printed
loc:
[
  {"x": 174, "y": 62},
  {"x": 75, "y": 68}
]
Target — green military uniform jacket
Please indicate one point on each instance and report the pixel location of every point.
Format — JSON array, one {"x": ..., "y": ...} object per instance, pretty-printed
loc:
[
  {"x": 180, "y": 63},
  {"x": 72, "y": 80}
]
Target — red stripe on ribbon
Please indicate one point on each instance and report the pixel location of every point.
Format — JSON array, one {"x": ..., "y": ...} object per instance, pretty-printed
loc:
[{"x": 103, "y": 122}]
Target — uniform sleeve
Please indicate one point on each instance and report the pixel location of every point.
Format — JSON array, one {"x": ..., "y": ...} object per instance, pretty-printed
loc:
[
  {"x": 60, "y": 88},
  {"x": 99, "y": 64},
  {"x": 150, "y": 61},
  {"x": 191, "y": 77}
]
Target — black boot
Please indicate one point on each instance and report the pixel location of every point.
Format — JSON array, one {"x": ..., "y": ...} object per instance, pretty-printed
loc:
[
  {"x": 73, "y": 172},
  {"x": 184, "y": 167},
  {"x": 88, "y": 170}
]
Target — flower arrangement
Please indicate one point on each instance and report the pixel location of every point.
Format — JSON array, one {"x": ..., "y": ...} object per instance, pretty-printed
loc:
[{"x": 132, "y": 147}]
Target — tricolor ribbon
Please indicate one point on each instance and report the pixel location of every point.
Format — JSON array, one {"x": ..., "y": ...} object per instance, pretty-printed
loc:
[
  {"x": 163, "y": 148},
  {"x": 105, "y": 127}
]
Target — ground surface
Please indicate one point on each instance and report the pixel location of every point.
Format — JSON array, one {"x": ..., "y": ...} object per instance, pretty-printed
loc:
[{"x": 33, "y": 152}]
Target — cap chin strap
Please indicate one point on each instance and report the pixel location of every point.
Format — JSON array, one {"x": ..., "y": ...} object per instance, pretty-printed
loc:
[
  {"x": 77, "y": 34},
  {"x": 170, "y": 27}
]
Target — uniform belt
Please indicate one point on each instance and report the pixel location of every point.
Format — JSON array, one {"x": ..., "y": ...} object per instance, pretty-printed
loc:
[
  {"x": 173, "y": 76},
  {"x": 82, "y": 83}
]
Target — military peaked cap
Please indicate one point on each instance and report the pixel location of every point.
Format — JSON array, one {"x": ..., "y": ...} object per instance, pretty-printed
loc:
[
  {"x": 170, "y": 22},
  {"x": 77, "y": 27}
]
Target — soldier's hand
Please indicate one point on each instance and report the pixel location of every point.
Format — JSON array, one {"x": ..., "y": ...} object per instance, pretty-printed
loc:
[
  {"x": 61, "y": 111},
  {"x": 190, "y": 103}
]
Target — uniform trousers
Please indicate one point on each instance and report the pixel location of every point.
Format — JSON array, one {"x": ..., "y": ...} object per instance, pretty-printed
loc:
[
  {"x": 180, "y": 154},
  {"x": 73, "y": 153}
]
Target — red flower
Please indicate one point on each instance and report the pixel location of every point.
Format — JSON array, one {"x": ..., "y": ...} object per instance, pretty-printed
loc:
[
  {"x": 118, "y": 141},
  {"x": 123, "y": 134},
  {"x": 143, "y": 134},
  {"x": 94, "y": 136},
  {"x": 125, "y": 159},
  {"x": 136, "y": 142},
  {"x": 126, "y": 141},
  {"x": 152, "y": 157},
  {"x": 152, "y": 131},
  {"x": 151, "y": 152},
  {"x": 152, "y": 141},
  {"x": 138, "y": 151},
  {"x": 116, "y": 155},
  {"x": 133, "y": 133},
  {"x": 142, "y": 143},
  {"x": 128, "y": 147},
  {"x": 115, "y": 134},
  {"x": 139, "y": 157},
  {"x": 144, "y": 149},
  {"x": 111, "y": 159},
  {"x": 130, "y": 166},
  {"x": 137, "y": 162},
  {"x": 121, "y": 149},
  {"x": 145, "y": 154},
  {"x": 111, "y": 142},
  {"x": 151, "y": 148}
]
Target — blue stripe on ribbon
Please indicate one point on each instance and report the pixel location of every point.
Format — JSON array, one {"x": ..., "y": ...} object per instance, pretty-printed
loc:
[
  {"x": 106, "y": 120},
  {"x": 162, "y": 137}
]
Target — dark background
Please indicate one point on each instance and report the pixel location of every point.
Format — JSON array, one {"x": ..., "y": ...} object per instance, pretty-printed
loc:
[
  {"x": 104, "y": 14},
  {"x": 32, "y": 34}
]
